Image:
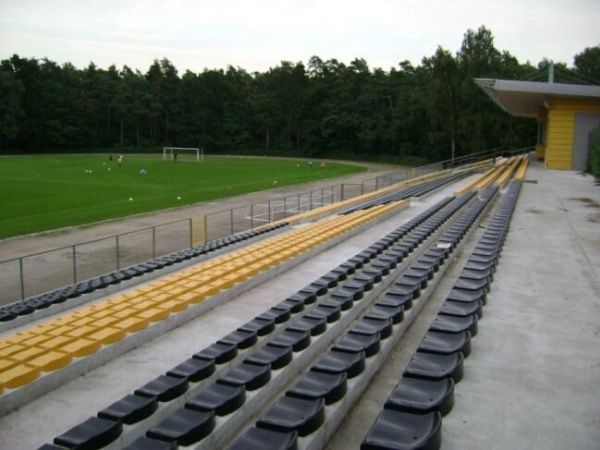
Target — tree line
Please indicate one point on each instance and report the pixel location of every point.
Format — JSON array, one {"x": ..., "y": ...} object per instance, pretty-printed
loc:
[{"x": 321, "y": 108}]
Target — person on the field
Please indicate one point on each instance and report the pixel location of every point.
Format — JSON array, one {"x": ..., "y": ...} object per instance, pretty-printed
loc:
[{"x": 120, "y": 160}]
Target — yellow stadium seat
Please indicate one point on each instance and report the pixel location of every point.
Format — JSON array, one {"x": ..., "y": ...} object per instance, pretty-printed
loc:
[
  {"x": 102, "y": 314},
  {"x": 56, "y": 342},
  {"x": 81, "y": 331},
  {"x": 108, "y": 335},
  {"x": 172, "y": 306},
  {"x": 132, "y": 324},
  {"x": 106, "y": 322},
  {"x": 27, "y": 354},
  {"x": 18, "y": 376},
  {"x": 83, "y": 321},
  {"x": 81, "y": 347},
  {"x": 153, "y": 314},
  {"x": 60, "y": 331},
  {"x": 206, "y": 290},
  {"x": 6, "y": 364},
  {"x": 52, "y": 360},
  {"x": 37, "y": 339},
  {"x": 190, "y": 297}
]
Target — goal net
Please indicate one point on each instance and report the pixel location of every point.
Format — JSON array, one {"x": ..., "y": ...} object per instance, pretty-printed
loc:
[{"x": 183, "y": 154}]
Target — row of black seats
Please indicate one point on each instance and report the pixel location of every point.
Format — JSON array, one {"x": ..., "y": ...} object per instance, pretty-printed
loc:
[
  {"x": 228, "y": 393},
  {"x": 301, "y": 410},
  {"x": 42, "y": 301},
  {"x": 411, "y": 417},
  {"x": 410, "y": 191}
]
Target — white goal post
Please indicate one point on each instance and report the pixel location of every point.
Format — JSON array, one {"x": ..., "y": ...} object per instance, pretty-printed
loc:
[{"x": 172, "y": 152}]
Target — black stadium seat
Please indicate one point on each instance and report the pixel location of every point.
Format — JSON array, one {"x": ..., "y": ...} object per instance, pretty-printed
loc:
[
  {"x": 315, "y": 385},
  {"x": 185, "y": 427},
  {"x": 130, "y": 409},
  {"x": 94, "y": 433},
  {"x": 220, "y": 398},
  {"x": 164, "y": 388},
  {"x": 395, "y": 430},
  {"x": 422, "y": 396},
  {"x": 294, "y": 414},
  {"x": 193, "y": 369},
  {"x": 263, "y": 439}
]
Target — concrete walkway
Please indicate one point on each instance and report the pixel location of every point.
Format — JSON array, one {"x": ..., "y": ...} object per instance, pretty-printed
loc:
[{"x": 532, "y": 380}]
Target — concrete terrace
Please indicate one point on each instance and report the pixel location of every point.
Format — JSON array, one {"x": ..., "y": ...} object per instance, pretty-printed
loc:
[{"x": 530, "y": 381}]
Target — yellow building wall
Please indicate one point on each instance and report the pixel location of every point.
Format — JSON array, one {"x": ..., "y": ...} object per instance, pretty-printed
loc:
[{"x": 560, "y": 131}]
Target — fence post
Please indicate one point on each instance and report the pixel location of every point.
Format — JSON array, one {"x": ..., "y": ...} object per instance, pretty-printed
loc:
[
  {"x": 231, "y": 219},
  {"x": 117, "y": 248},
  {"x": 310, "y": 201},
  {"x": 284, "y": 207},
  {"x": 322, "y": 196},
  {"x": 153, "y": 242},
  {"x": 269, "y": 211},
  {"x": 252, "y": 216},
  {"x": 22, "y": 278},
  {"x": 191, "y": 232},
  {"x": 298, "y": 210},
  {"x": 332, "y": 198},
  {"x": 342, "y": 192},
  {"x": 74, "y": 266}
]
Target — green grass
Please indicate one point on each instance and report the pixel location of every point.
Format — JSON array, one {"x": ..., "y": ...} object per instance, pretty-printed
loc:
[{"x": 45, "y": 192}]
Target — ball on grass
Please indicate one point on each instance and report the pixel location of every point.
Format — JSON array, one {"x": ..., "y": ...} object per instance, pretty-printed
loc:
[
  {"x": 275, "y": 182},
  {"x": 130, "y": 199},
  {"x": 178, "y": 197}
]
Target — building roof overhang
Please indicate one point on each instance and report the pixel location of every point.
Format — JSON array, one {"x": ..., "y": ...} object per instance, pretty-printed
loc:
[{"x": 524, "y": 98}]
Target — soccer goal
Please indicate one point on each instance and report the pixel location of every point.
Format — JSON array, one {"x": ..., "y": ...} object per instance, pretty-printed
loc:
[{"x": 183, "y": 153}]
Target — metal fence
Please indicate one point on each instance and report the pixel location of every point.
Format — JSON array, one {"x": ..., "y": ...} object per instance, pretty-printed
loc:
[{"x": 35, "y": 273}]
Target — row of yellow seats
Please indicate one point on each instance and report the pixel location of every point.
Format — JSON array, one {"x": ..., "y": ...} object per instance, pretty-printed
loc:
[
  {"x": 508, "y": 171},
  {"x": 354, "y": 200},
  {"x": 54, "y": 344},
  {"x": 485, "y": 179},
  {"x": 520, "y": 175}
]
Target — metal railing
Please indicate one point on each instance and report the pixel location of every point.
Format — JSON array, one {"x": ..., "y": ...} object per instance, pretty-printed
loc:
[{"x": 35, "y": 273}]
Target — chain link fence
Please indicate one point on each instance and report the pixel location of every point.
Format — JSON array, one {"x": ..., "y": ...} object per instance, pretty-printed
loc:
[{"x": 36, "y": 273}]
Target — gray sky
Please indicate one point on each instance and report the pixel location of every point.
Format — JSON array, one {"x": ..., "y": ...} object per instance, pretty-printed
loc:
[{"x": 258, "y": 34}]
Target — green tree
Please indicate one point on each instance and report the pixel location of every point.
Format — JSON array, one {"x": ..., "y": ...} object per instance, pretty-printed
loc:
[
  {"x": 11, "y": 107},
  {"x": 587, "y": 64},
  {"x": 443, "y": 102}
]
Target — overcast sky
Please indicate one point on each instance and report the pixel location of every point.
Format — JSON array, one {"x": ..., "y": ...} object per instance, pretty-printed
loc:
[{"x": 258, "y": 34}]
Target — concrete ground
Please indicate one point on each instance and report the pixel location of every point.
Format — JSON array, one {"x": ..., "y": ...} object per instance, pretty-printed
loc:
[
  {"x": 530, "y": 382},
  {"x": 533, "y": 376}
]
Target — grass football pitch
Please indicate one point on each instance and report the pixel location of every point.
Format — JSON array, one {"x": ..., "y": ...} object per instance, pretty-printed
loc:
[{"x": 46, "y": 192}]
